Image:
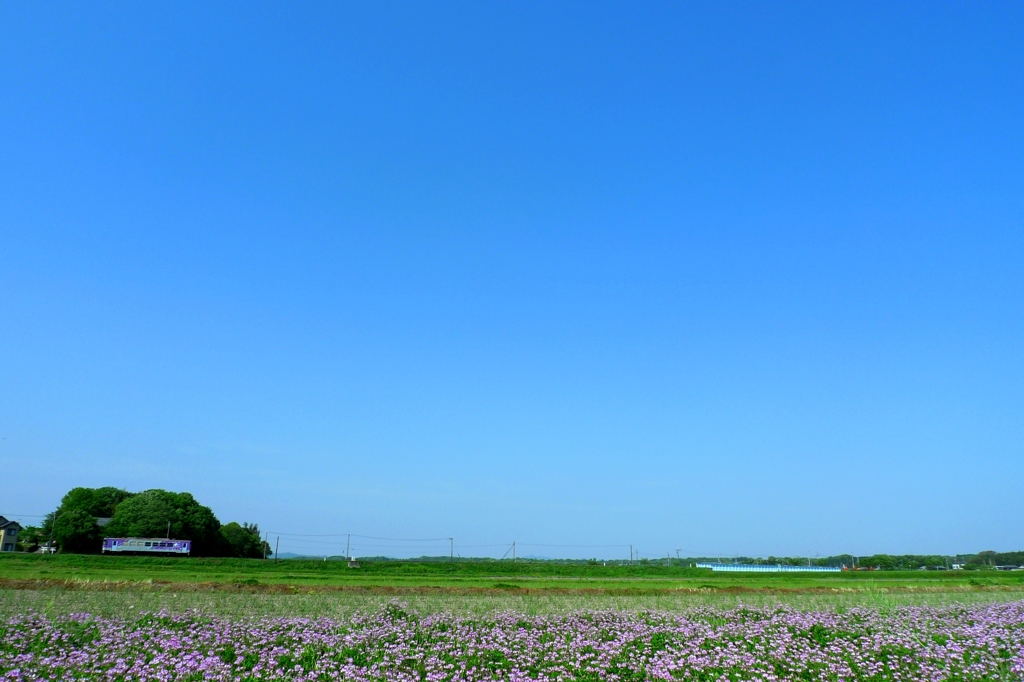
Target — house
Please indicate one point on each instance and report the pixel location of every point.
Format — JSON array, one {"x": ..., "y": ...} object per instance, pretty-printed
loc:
[{"x": 8, "y": 534}]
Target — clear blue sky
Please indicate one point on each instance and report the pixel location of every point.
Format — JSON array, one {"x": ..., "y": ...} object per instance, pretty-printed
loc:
[{"x": 728, "y": 277}]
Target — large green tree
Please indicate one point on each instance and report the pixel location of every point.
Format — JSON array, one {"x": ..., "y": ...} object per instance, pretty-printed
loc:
[
  {"x": 100, "y": 502},
  {"x": 158, "y": 513},
  {"x": 73, "y": 525},
  {"x": 76, "y": 531},
  {"x": 244, "y": 540}
]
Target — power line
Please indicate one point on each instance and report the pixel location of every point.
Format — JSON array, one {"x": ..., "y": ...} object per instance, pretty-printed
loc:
[
  {"x": 501, "y": 544},
  {"x": 340, "y": 543},
  {"x": 365, "y": 537},
  {"x": 434, "y": 545},
  {"x": 534, "y": 544}
]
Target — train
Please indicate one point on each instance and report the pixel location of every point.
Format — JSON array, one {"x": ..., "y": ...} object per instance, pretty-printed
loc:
[{"x": 146, "y": 546}]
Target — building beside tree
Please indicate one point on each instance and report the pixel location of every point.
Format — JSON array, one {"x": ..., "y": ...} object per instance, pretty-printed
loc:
[{"x": 8, "y": 534}]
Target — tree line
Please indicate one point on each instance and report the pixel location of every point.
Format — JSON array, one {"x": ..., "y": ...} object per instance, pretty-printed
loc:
[
  {"x": 74, "y": 527},
  {"x": 884, "y": 562}
]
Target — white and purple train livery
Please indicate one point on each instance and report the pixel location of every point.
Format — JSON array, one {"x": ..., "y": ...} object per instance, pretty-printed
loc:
[{"x": 146, "y": 545}]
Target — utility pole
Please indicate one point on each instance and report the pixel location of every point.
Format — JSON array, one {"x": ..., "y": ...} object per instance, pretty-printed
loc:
[
  {"x": 53, "y": 525},
  {"x": 348, "y": 544},
  {"x": 513, "y": 551},
  {"x": 168, "y": 530},
  {"x": 277, "y": 547},
  {"x": 451, "y": 549},
  {"x": 266, "y": 543},
  {"x": 631, "y": 555}
]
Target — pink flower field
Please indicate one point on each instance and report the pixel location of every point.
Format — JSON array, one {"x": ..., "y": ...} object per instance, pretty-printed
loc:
[{"x": 961, "y": 643}]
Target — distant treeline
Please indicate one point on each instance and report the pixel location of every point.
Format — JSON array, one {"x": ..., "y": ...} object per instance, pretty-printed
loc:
[
  {"x": 74, "y": 527},
  {"x": 884, "y": 562}
]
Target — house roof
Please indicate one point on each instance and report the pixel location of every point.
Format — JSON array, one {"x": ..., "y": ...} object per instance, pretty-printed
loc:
[{"x": 4, "y": 523}]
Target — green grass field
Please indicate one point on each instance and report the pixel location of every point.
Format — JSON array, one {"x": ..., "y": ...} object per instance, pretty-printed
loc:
[
  {"x": 130, "y": 602},
  {"x": 191, "y": 574}
]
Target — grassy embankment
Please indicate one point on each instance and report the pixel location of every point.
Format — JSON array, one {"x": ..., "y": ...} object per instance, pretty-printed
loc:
[
  {"x": 208, "y": 573},
  {"x": 398, "y": 576},
  {"x": 119, "y": 584}
]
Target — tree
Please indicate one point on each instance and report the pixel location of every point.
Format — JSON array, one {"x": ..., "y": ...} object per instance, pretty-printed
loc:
[
  {"x": 30, "y": 538},
  {"x": 244, "y": 541},
  {"x": 882, "y": 561},
  {"x": 76, "y": 532},
  {"x": 99, "y": 502},
  {"x": 156, "y": 513}
]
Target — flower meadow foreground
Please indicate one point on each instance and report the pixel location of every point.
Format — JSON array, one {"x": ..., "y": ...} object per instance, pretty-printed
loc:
[{"x": 959, "y": 643}]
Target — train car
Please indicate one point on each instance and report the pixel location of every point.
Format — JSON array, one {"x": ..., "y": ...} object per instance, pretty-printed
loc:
[{"x": 146, "y": 546}]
